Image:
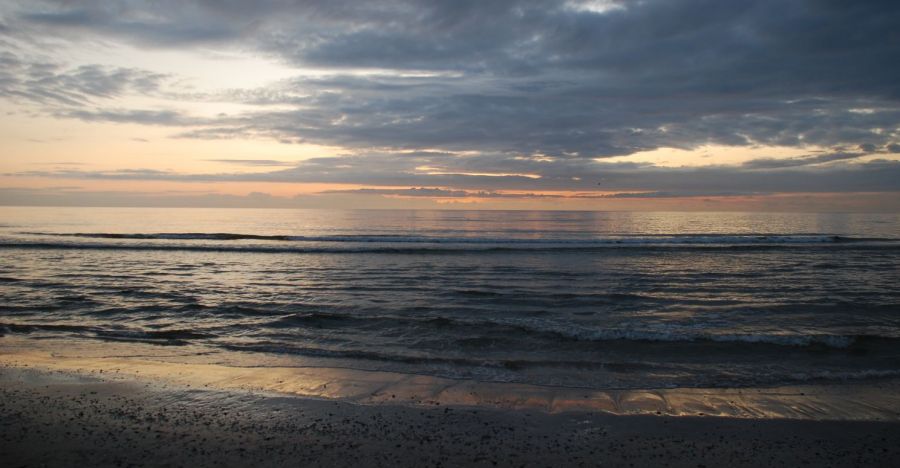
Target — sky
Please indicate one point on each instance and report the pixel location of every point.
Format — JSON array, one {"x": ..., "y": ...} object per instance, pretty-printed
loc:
[{"x": 768, "y": 105}]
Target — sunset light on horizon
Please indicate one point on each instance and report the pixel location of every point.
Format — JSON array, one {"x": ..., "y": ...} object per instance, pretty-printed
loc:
[{"x": 561, "y": 105}]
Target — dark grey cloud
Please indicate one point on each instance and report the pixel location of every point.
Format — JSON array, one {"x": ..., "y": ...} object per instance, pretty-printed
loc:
[
  {"x": 138, "y": 116},
  {"x": 512, "y": 87},
  {"x": 50, "y": 83},
  {"x": 174, "y": 24},
  {"x": 876, "y": 176},
  {"x": 705, "y": 46}
]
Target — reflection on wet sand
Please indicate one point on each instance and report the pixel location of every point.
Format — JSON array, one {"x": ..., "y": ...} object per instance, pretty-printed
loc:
[{"x": 197, "y": 367}]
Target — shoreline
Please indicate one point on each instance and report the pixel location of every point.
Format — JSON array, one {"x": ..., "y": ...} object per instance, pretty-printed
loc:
[
  {"x": 87, "y": 403},
  {"x": 55, "y": 418},
  {"x": 196, "y": 367}
]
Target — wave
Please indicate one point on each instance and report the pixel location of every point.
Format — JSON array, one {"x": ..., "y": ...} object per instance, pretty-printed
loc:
[
  {"x": 569, "y": 372},
  {"x": 481, "y": 331},
  {"x": 170, "y": 336},
  {"x": 812, "y": 340},
  {"x": 424, "y": 245},
  {"x": 632, "y": 358},
  {"x": 478, "y": 332},
  {"x": 761, "y": 238},
  {"x": 584, "y": 374}
]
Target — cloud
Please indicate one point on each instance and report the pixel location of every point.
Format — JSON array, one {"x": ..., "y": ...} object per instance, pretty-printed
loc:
[
  {"x": 772, "y": 163},
  {"x": 482, "y": 97},
  {"x": 392, "y": 170},
  {"x": 558, "y": 78},
  {"x": 683, "y": 193},
  {"x": 138, "y": 116},
  {"x": 53, "y": 84},
  {"x": 482, "y": 194},
  {"x": 410, "y": 192},
  {"x": 73, "y": 196},
  {"x": 166, "y": 23},
  {"x": 518, "y": 36}
]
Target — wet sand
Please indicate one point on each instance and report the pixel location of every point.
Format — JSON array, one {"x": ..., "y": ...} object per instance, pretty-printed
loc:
[
  {"x": 200, "y": 367},
  {"x": 86, "y": 403},
  {"x": 64, "y": 419}
]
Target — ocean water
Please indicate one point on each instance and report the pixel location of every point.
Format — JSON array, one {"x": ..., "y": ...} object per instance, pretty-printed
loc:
[{"x": 580, "y": 299}]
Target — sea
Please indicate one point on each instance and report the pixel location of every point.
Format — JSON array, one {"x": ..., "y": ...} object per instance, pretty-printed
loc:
[{"x": 601, "y": 300}]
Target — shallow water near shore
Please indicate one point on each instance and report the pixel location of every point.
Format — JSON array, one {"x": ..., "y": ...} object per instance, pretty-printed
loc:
[
  {"x": 200, "y": 368},
  {"x": 586, "y": 301}
]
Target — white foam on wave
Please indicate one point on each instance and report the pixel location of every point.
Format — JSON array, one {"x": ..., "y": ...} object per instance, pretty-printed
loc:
[
  {"x": 688, "y": 334},
  {"x": 637, "y": 240}
]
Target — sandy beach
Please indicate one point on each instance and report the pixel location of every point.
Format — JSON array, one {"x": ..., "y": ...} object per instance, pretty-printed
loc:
[
  {"x": 63, "y": 406},
  {"x": 62, "y": 419}
]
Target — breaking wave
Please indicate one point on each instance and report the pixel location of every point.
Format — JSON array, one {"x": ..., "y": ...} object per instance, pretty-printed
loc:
[{"x": 424, "y": 244}]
